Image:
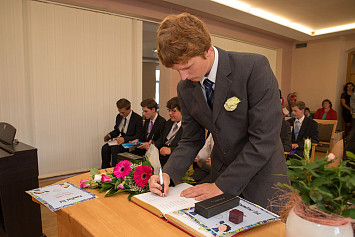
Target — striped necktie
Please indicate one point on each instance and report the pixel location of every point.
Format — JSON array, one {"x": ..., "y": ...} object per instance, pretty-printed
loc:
[{"x": 209, "y": 92}]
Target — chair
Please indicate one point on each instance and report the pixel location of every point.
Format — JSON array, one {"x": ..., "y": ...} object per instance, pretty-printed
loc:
[{"x": 326, "y": 129}]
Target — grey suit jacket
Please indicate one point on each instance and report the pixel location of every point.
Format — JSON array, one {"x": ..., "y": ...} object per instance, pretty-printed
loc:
[{"x": 248, "y": 151}]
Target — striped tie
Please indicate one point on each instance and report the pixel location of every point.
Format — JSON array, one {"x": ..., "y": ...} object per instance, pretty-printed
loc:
[{"x": 209, "y": 92}]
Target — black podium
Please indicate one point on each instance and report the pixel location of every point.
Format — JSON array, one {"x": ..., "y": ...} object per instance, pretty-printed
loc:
[{"x": 19, "y": 215}]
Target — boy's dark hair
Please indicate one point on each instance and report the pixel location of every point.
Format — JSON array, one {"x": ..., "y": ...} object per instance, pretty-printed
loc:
[
  {"x": 123, "y": 104},
  {"x": 173, "y": 103},
  {"x": 150, "y": 104}
]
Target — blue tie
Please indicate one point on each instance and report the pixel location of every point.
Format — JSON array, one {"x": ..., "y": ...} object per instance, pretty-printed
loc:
[
  {"x": 297, "y": 129},
  {"x": 209, "y": 92}
]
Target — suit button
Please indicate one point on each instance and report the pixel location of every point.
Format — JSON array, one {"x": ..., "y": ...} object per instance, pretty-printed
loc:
[{"x": 224, "y": 153}]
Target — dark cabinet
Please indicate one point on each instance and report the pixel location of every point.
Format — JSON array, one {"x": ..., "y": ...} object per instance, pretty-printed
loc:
[{"x": 19, "y": 215}]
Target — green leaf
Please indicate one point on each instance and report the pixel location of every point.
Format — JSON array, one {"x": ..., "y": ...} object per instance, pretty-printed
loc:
[
  {"x": 349, "y": 213},
  {"x": 306, "y": 199},
  {"x": 350, "y": 154},
  {"x": 94, "y": 171},
  {"x": 325, "y": 192},
  {"x": 106, "y": 186},
  {"x": 111, "y": 192},
  {"x": 319, "y": 182},
  {"x": 315, "y": 195}
]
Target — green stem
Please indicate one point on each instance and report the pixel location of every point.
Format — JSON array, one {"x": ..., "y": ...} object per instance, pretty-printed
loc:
[{"x": 339, "y": 193}]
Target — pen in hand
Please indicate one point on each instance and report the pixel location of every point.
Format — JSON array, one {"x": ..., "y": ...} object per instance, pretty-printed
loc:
[{"x": 161, "y": 182}]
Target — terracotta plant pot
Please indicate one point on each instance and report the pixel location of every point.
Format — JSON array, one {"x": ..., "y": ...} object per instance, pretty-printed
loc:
[{"x": 297, "y": 227}]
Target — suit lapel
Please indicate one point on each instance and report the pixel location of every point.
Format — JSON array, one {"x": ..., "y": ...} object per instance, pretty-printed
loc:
[
  {"x": 223, "y": 83},
  {"x": 201, "y": 101},
  {"x": 221, "y": 91}
]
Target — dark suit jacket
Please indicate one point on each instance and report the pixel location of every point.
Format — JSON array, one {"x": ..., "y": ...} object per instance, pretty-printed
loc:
[
  {"x": 286, "y": 136},
  {"x": 309, "y": 129},
  {"x": 161, "y": 141},
  {"x": 134, "y": 130},
  {"x": 156, "y": 130},
  {"x": 248, "y": 151}
]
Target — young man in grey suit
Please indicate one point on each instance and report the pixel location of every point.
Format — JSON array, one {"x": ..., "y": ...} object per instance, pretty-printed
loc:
[{"x": 233, "y": 95}]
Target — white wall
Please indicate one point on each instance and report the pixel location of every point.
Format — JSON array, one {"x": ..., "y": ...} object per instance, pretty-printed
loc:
[{"x": 77, "y": 64}]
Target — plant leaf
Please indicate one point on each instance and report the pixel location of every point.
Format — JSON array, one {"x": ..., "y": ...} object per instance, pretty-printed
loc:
[
  {"x": 94, "y": 171},
  {"x": 315, "y": 195}
]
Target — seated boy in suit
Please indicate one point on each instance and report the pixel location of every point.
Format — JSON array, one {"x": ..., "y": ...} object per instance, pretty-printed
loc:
[
  {"x": 303, "y": 127},
  {"x": 153, "y": 126},
  {"x": 172, "y": 131},
  {"x": 129, "y": 126}
]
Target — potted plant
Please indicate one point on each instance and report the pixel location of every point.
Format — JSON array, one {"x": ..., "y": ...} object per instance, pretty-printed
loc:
[{"x": 320, "y": 199}]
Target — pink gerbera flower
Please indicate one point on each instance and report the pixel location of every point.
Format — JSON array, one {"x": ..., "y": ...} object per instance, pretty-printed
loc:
[
  {"x": 142, "y": 175},
  {"x": 122, "y": 169}
]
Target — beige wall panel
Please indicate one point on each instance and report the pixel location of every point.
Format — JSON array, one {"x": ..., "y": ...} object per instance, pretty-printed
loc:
[
  {"x": 82, "y": 63},
  {"x": 14, "y": 98},
  {"x": 318, "y": 73},
  {"x": 149, "y": 80},
  {"x": 238, "y": 46}
]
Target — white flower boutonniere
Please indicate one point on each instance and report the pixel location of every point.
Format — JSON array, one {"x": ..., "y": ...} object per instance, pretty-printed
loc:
[{"x": 232, "y": 103}]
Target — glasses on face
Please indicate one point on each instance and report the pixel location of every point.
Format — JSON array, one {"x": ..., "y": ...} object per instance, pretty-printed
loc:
[{"x": 173, "y": 110}]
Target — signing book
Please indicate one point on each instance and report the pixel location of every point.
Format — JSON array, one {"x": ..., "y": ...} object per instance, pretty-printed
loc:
[{"x": 180, "y": 212}]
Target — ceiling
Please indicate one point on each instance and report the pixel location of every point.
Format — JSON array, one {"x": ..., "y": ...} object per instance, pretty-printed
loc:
[{"x": 313, "y": 14}]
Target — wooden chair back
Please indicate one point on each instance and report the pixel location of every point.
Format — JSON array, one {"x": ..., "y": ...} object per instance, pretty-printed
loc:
[{"x": 326, "y": 129}]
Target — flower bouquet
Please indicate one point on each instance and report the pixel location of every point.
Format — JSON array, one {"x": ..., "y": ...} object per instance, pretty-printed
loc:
[
  {"x": 127, "y": 176},
  {"x": 320, "y": 194}
]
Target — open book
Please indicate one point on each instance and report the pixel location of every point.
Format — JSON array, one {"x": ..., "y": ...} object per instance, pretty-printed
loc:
[
  {"x": 180, "y": 212},
  {"x": 167, "y": 207}
]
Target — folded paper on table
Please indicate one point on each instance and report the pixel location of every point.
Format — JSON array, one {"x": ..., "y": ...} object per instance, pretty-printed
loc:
[
  {"x": 131, "y": 145},
  {"x": 112, "y": 142},
  {"x": 180, "y": 212},
  {"x": 58, "y": 196}
]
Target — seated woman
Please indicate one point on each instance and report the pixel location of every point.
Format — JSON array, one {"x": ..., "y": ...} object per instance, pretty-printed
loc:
[{"x": 326, "y": 112}]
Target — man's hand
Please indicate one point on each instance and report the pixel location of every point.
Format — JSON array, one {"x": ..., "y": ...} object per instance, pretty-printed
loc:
[
  {"x": 201, "y": 191},
  {"x": 155, "y": 187},
  {"x": 107, "y": 137},
  {"x": 294, "y": 146},
  {"x": 165, "y": 151},
  {"x": 120, "y": 140},
  {"x": 144, "y": 145}
]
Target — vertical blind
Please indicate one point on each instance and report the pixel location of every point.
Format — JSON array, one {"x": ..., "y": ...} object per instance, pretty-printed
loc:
[{"x": 79, "y": 64}]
